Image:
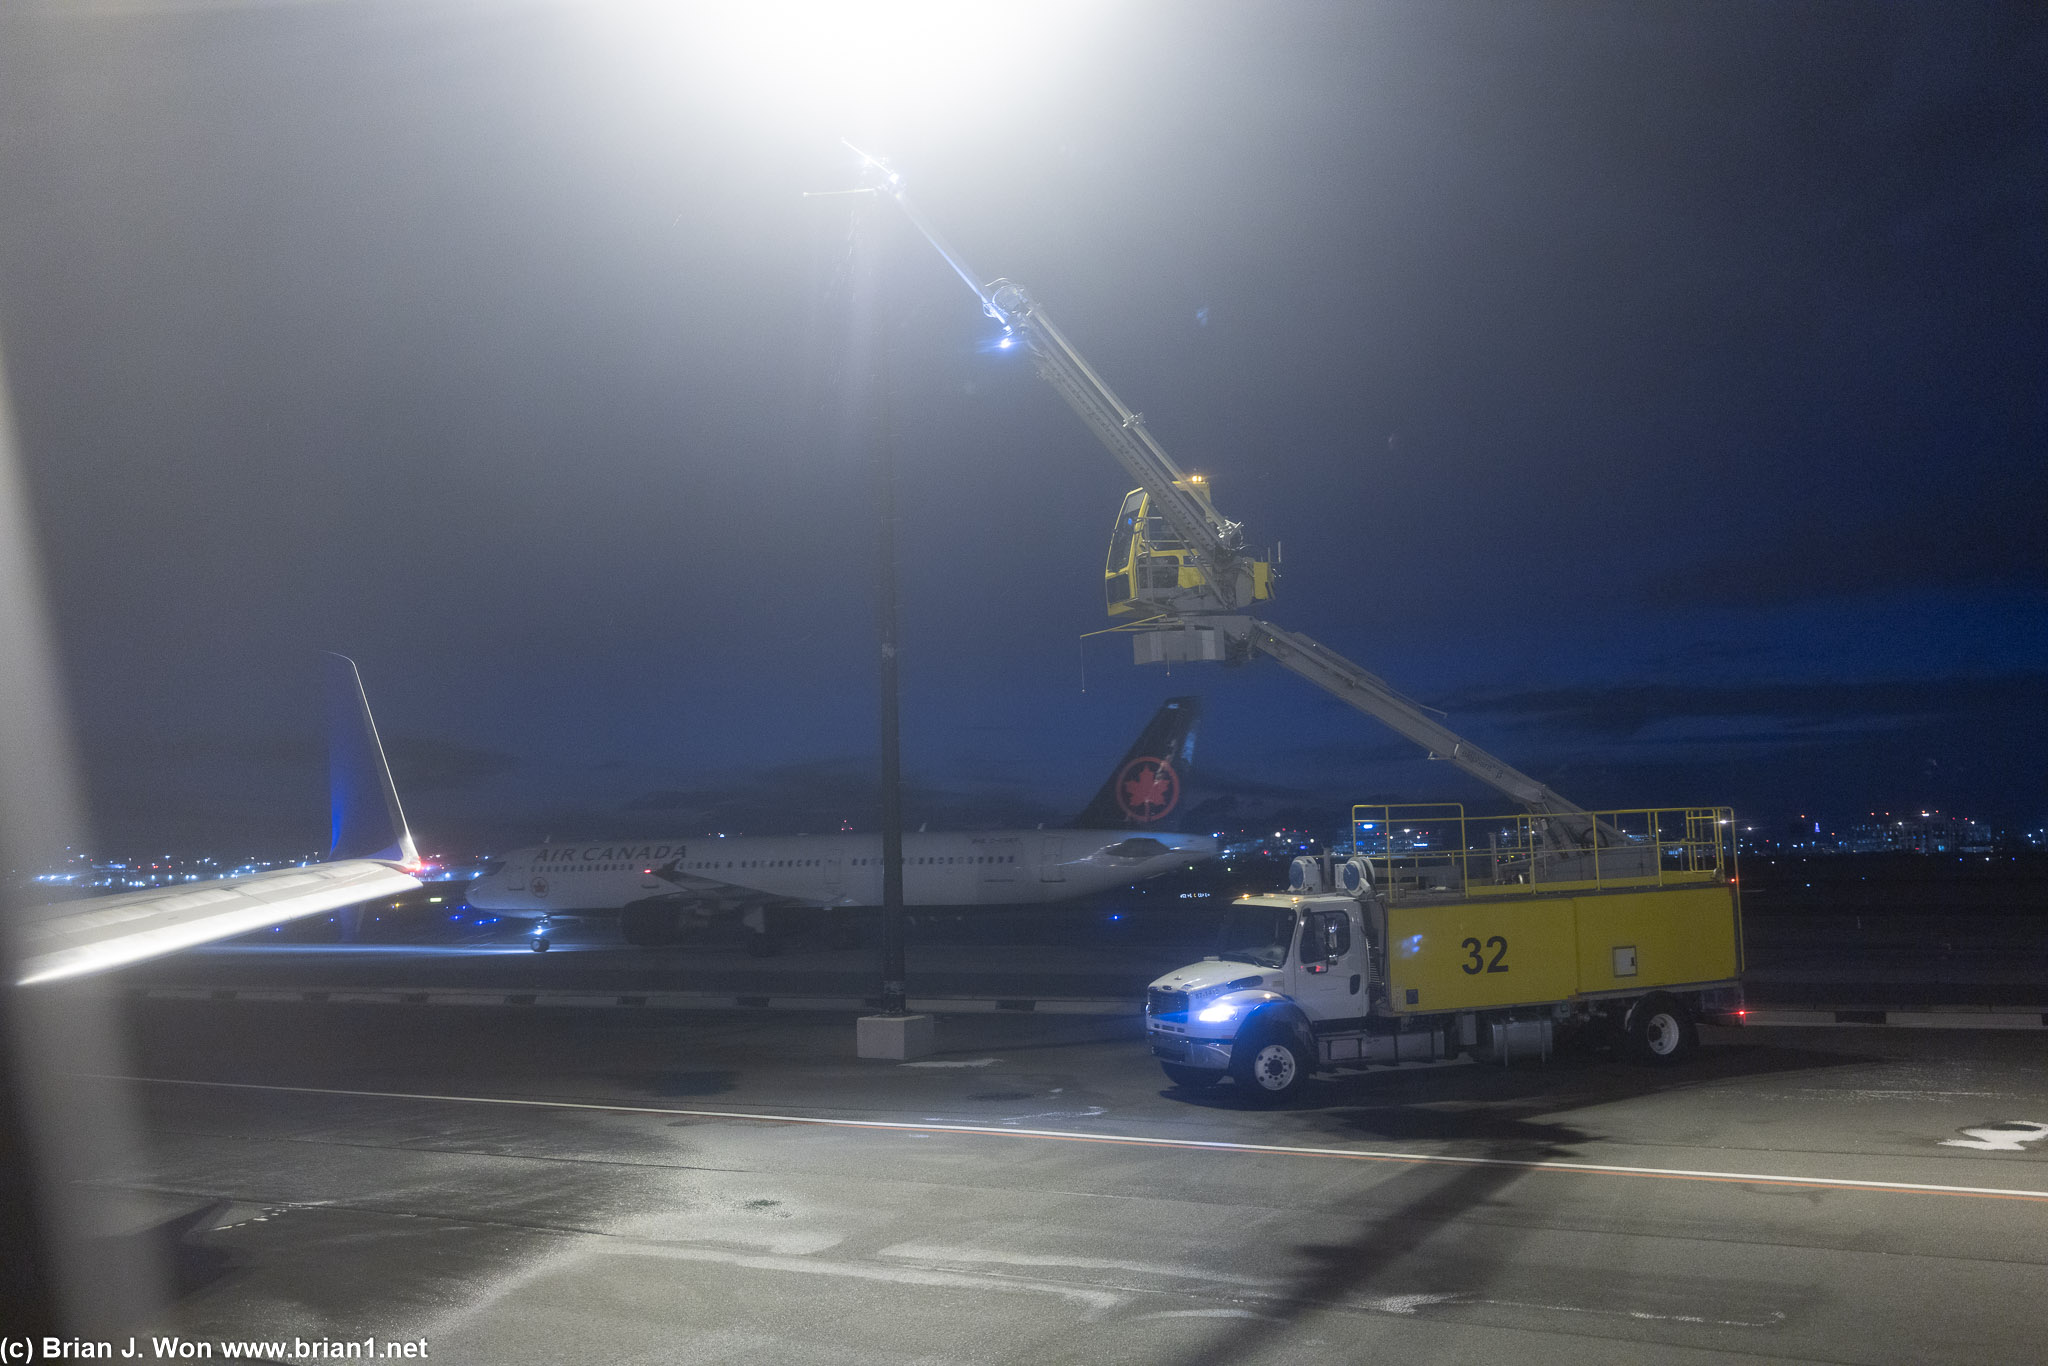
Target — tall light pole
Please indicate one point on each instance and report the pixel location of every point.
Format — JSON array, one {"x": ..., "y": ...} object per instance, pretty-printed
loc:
[
  {"x": 882, "y": 440},
  {"x": 893, "y": 1032}
]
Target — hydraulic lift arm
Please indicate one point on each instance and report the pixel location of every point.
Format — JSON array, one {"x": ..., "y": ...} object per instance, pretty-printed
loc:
[
  {"x": 1346, "y": 681},
  {"x": 1216, "y": 542}
]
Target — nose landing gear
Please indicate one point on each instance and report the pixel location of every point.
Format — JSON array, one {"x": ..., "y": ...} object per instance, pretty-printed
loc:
[{"x": 540, "y": 935}]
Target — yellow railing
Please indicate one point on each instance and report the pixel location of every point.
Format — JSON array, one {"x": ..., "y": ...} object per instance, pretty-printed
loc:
[{"x": 1436, "y": 848}]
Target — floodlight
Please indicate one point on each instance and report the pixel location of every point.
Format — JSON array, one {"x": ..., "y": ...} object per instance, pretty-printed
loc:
[{"x": 851, "y": 69}]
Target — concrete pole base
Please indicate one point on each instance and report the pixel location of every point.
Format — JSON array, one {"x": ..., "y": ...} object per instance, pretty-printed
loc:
[{"x": 896, "y": 1038}]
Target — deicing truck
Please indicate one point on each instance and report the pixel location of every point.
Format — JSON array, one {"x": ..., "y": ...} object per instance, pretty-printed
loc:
[{"x": 1442, "y": 935}]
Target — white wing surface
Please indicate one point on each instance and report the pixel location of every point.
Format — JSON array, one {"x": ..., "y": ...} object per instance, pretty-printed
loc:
[
  {"x": 124, "y": 929},
  {"x": 372, "y": 855}
]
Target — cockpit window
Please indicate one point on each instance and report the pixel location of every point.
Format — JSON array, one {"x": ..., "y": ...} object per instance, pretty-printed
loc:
[
  {"x": 491, "y": 867},
  {"x": 1256, "y": 934}
]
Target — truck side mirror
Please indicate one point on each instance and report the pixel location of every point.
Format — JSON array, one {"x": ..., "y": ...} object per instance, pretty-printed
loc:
[{"x": 1336, "y": 937}]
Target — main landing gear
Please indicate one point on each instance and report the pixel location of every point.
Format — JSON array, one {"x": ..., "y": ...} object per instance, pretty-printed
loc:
[
  {"x": 540, "y": 935},
  {"x": 759, "y": 935}
]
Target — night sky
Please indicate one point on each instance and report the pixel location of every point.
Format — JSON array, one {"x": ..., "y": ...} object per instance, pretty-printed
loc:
[{"x": 1658, "y": 390}]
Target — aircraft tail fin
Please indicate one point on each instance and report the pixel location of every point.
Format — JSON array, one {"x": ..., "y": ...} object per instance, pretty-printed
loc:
[
  {"x": 367, "y": 821},
  {"x": 1145, "y": 787}
]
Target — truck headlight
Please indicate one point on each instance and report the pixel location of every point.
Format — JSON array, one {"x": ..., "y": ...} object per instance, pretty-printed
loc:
[{"x": 1220, "y": 1013}]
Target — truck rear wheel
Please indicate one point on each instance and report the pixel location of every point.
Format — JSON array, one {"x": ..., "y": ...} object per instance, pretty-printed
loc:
[
  {"x": 1270, "y": 1067},
  {"x": 1190, "y": 1078},
  {"x": 1661, "y": 1032}
]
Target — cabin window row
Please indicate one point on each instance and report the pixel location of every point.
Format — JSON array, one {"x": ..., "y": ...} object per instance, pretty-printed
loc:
[
  {"x": 704, "y": 864},
  {"x": 755, "y": 863}
]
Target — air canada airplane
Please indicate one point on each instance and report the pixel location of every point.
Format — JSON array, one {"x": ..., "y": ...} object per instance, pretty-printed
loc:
[
  {"x": 371, "y": 855},
  {"x": 661, "y": 888}
]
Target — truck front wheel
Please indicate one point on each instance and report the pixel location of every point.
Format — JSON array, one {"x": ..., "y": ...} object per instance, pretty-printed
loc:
[
  {"x": 1270, "y": 1067},
  {"x": 1190, "y": 1078},
  {"x": 1661, "y": 1032}
]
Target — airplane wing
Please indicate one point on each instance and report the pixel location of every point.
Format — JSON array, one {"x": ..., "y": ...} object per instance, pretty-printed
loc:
[
  {"x": 372, "y": 855},
  {"x": 692, "y": 889},
  {"x": 124, "y": 929}
]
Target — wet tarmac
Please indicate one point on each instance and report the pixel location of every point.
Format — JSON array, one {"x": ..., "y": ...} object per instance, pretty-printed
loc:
[{"x": 565, "y": 1186}]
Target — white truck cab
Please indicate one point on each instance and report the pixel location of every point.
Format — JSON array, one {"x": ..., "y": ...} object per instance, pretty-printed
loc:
[{"x": 1287, "y": 969}]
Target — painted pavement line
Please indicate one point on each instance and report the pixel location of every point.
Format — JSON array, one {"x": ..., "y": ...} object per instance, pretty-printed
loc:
[
  {"x": 1142, "y": 1141},
  {"x": 645, "y": 1000},
  {"x": 1757, "y": 1016}
]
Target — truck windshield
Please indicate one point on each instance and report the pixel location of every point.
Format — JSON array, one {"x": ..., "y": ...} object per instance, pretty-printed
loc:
[{"x": 1256, "y": 934}]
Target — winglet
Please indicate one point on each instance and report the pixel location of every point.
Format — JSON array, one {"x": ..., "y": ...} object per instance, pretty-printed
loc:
[
  {"x": 1145, "y": 787},
  {"x": 367, "y": 820}
]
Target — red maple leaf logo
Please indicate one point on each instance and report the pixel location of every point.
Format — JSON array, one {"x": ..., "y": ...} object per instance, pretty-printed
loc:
[{"x": 1147, "y": 789}]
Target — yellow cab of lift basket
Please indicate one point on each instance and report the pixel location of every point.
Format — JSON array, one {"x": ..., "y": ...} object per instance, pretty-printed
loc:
[{"x": 1151, "y": 571}]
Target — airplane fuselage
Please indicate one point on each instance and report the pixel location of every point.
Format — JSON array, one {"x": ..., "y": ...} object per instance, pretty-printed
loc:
[{"x": 979, "y": 868}]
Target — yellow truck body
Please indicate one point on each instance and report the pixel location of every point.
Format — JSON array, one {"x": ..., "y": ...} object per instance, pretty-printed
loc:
[{"x": 1500, "y": 951}]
